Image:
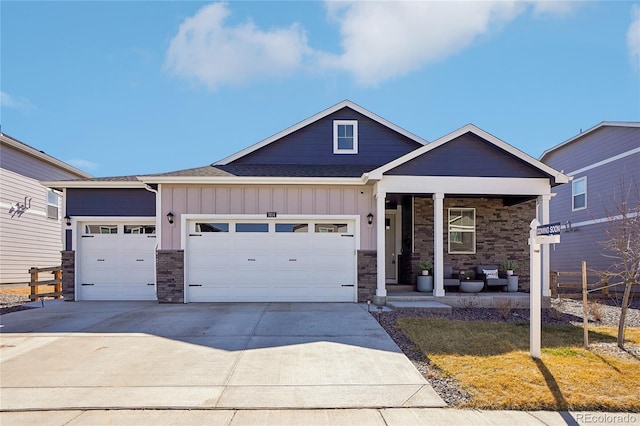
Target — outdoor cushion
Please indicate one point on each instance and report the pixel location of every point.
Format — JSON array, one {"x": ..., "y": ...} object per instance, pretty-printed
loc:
[{"x": 491, "y": 273}]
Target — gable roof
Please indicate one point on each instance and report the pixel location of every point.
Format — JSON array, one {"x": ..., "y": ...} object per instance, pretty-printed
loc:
[
  {"x": 588, "y": 131},
  {"x": 470, "y": 128},
  {"x": 314, "y": 118},
  {"x": 41, "y": 155}
]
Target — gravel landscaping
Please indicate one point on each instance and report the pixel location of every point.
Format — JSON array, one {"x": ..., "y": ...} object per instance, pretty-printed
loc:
[{"x": 562, "y": 311}]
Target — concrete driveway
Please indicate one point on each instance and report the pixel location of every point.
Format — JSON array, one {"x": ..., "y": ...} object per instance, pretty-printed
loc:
[{"x": 210, "y": 355}]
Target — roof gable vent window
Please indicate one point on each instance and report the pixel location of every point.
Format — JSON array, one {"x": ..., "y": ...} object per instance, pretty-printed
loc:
[{"x": 345, "y": 136}]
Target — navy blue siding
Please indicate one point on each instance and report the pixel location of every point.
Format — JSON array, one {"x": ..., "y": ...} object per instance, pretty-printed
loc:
[
  {"x": 68, "y": 245},
  {"x": 110, "y": 202},
  {"x": 468, "y": 155},
  {"x": 313, "y": 144}
]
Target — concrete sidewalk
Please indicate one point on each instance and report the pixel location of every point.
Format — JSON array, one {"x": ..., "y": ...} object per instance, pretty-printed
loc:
[
  {"x": 350, "y": 417},
  {"x": 145, "y": 355}
]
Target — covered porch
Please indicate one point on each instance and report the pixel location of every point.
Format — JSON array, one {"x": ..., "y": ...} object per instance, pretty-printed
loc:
[{"x": 460, "y": 203}]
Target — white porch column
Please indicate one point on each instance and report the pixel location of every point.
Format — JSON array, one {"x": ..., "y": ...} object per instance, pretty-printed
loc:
[
  {"x": 438, "y": 244},
  {"x": 543, "y": 218},
  {"x": 381, "y": 289}
]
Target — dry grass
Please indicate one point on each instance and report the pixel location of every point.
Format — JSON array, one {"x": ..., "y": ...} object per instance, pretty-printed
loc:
[
  {"x": 26, "y": 289},
  {"x": 491, "y": 360}
]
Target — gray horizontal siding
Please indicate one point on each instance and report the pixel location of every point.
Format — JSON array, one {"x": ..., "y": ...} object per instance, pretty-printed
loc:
[
  {"x": 604, "y": 185},
  {"x": 110, "y": 202},
  {"x": 574, "y": 247},
  {"x": 26, "y": 165},
  {"x": 30, "y": 239},
  {"x": 603, "y": 143},
  {"x": 467, "y": 155},
  {"x": 313, "y": 144}
]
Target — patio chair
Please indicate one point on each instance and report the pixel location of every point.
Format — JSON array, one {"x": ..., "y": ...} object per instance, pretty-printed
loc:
[
  {"x": 493, "y": 280},
  {"x": 449, "y": 280}
]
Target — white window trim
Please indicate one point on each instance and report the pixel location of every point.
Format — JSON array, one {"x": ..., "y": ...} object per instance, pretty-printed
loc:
[
  {"x": 353, "y": 123},
  {"x": 473, "y": 232},
  {"x": 56, "y": 205},
  {"x": 573, "y": 194}
]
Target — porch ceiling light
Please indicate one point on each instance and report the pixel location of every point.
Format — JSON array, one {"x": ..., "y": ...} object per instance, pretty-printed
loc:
[
  {"x": 170, "y": 218},
  {"x": 370, "y": 218},
  {"x": 67, "y": 220}
]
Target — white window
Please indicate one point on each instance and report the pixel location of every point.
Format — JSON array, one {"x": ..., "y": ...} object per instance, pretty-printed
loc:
[
  {"x": 579, "y": 193},
  {"x": 345, "y": 137},
  {"x": 53, "y": 201},
  {"x": 462, "y": 231}
]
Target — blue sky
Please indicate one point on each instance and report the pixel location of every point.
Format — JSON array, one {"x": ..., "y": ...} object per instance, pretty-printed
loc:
[{"x": 120, "y": 88}]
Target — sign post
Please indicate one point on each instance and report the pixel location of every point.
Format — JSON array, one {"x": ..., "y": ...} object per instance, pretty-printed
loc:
[{"x": 538, "y": 234}]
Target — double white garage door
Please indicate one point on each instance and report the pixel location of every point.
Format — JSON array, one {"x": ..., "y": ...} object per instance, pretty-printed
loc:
[
  {"x": 270, "y": 260},
  {"x": 225, "y": 261}
]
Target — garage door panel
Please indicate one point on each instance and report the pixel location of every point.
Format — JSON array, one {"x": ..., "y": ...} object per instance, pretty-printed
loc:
[
  {"x": 116, "y": 266},
  {"x": 271, "y": 266}
]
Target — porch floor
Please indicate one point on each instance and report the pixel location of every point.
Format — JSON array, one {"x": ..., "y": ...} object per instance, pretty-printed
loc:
[{"x": 399, "y": 295}]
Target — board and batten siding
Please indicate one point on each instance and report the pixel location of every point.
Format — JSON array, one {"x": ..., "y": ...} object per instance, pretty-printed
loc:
[
  {"x": 285, "y": 200},
  {"x": 30, "y": 239}
]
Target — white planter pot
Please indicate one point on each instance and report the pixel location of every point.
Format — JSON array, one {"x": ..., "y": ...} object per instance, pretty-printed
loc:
[
  {"x": 509, "y": 272},
  {"x": 425, "y": 272}
]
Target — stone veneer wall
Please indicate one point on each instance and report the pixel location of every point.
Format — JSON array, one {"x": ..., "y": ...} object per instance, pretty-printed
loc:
[
  {"x": 170, "y": 276},
  {"x": 502, "y": 233},
  {"x": 69, "y": 275},
  {"x": 367, "y": 273}
]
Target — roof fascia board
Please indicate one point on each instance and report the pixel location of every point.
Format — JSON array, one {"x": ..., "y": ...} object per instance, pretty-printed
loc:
[
  {"x": 586, "y": 132},
  {"x": 23, "y": 147},
  {"x": 314, "y": 118},
  {"x": 559, "y": 177},
  {"x": 92, "y": 184},
  {"x": 250, "y": 180}
]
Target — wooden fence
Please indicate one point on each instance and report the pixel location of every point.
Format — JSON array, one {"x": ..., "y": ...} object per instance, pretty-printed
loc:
[
  {"x": 569, "y": 285},
  {"x": 35, "y": 283}
]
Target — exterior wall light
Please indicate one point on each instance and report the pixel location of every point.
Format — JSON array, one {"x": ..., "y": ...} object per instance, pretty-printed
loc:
[
  {"x": 67, "y": 220},
  {"x": 370, "y": 218},
  {"x": 170, "y": 218}
]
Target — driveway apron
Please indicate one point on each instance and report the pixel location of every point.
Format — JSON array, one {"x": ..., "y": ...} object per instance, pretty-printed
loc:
[{"x": 206, "y": 355}]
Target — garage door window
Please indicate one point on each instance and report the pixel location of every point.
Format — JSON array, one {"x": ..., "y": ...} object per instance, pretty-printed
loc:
[
  {"x": 252, "y": 227},
  {"x": 101, "y": 229},
  {"x": 212, "y": 227},
  {"x": 292, "y": 227},
  {"x": 331, "y": 227},
  {"x": 139, "y": 229}
]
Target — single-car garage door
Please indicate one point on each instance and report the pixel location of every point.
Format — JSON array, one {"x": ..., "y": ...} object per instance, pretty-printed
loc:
[
  {"x": 271, "y": 260},
  {"x": 116, "y": 261}
]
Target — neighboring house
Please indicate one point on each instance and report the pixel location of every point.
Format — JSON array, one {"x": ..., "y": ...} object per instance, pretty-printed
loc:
[
  {"x": 30, "y": 223},
  {"x": 600, "y": 160},
  {"x": 334, "y": 208}
]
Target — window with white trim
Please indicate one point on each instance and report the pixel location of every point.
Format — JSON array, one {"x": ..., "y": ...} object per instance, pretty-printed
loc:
[
  {"x": 579, "y": 194},
  {"x": 53, "y": 202},
  {"x": 462, "y": 231},
  {"x": 345, "y": 136}
]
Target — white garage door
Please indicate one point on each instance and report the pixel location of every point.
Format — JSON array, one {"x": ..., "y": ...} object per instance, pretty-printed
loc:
[
  {"x": 271, "y": 260},
  {"x": 116, "y": 261}
]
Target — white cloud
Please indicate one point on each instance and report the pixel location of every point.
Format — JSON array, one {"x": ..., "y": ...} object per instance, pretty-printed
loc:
[
  {"x": 83, "y": 164},
  {"x": 633, "y": 37},
  {"x": 215, "y": 53},
  {"x": 380, "y": 40},
  {"x": 8, "y": 101}
]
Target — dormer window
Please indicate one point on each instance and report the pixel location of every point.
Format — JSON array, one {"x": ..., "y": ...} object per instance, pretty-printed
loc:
[{"x": 345, "y": 136}]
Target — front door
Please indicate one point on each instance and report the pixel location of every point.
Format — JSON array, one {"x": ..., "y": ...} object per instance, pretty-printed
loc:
[{"x": 391, "y": 255}]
